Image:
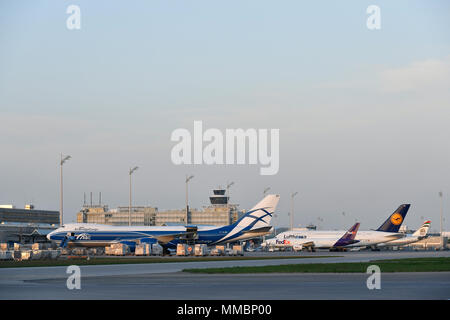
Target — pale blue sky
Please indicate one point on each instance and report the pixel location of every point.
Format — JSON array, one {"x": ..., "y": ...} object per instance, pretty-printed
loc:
[{"x": 363, "y": 115}]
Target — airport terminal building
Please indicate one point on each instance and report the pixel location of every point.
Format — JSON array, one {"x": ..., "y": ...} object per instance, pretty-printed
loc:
[
  {"x": 220, "y": 212},
  {"x": 26, "y": 225},
  {"x": 100, "y": 214}
]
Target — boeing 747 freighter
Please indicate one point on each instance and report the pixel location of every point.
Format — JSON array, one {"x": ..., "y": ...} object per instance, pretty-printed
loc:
[{"x": 254, "y": 223}]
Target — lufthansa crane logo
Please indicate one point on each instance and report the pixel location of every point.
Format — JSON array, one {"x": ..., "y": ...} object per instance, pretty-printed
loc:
[{"x": 396, "y": 219}]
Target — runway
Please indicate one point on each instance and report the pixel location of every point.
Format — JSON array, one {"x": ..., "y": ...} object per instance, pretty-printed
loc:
[{"x": 166, "y": 281}]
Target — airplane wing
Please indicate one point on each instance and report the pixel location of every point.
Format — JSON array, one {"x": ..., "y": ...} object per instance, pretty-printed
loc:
[
  {"x": 163, "y": 239},
  {"x": 190, "y": 233},
  {"x": 259, "y": 231},
  {"x": 297, "y": 245},
  {"x": 306, "y": 244},
  {"x": 166, "y": 238}
]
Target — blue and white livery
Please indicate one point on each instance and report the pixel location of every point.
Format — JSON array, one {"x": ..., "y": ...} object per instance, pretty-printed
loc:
[{"x": 254, "y": 223}]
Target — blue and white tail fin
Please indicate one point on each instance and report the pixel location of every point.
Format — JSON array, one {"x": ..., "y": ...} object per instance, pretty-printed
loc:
[
  {"x": 257, "y": 220},
  {"x": 260, "y": 215},
  {"x": 395, "y": 220}
]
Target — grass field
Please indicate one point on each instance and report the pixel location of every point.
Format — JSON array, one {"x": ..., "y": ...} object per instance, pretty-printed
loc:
[
  {"x": 133, "y": 260},
  {"x": 394, "y": 265}
]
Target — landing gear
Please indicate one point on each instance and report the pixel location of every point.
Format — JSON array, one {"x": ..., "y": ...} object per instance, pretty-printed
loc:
[{"x": 166, "y": 252}]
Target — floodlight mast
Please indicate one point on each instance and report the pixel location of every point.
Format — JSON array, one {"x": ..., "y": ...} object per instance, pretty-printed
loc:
[
  {"x": 61, "y": 201},
  {"x": 442, "y": 214},
  {"x": 129, "y": 207},
  {"x": 292, "y": 209},
  {"x": 188, "y": 178}
]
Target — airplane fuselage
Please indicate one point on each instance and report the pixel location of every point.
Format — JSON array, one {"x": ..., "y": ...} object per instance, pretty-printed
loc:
[
  {"x": 323, "y": 238},
  {"x": 401, "y": 242},
  {"x": 94, "y": 235},
  {"x": 319, "y": 243}
]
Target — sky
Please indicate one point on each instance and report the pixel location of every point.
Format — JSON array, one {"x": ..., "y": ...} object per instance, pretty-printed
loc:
[{"x": 364, "y": 115}]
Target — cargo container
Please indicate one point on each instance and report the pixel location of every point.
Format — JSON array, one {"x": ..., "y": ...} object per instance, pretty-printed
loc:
[
  {"x": 39, "y": 246},
  {"x": 108, "y": 251},
  {"x": 143, "y": 249},
  {"x": 54, "y": 254},
  {"x": 201, "y": 250},
  {"x": 6, "y": 255},
  {"x": 37, "y": 255},
  {"x": 139, "y": 250},
  {"x": 119, "y": 245},
  {"x": 96, "y": 251},
  {"x": 157, "y": 249},
  {"x": 182, "y": 249},
  {"x": 119, "y": 249},
  {"x": 238, "y": 250},
  {"x": 45, "y": 254},
  {"x": 26, "y": 255},
  {"x": 17, "y": 255},
  {"x": 79, "y": 251},
  {"x": 217, "y": 252},
  {"x": 66, "y": 251}
]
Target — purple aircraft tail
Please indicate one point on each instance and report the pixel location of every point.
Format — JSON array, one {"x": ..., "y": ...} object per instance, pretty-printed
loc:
[{"x": 348, "y": 237}]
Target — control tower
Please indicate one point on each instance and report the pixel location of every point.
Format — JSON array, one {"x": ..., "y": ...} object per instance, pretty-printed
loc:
[{"x": 219, "y": 198}]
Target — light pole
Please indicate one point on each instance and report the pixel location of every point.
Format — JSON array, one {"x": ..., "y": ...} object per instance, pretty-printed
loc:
[
  {"x": 264, "y": 195},
  {"x": 442, "y": 213},
  {"x": 292, "y": 209},
  {"x": 228, "y": 188},
  {"x": 343, "y": 214},
  {"x": 188, "y": 178},
  {"x": 63, "y": 159},
  {"x": 129, "y": 207},
  {"x": 320, "y": 220},
  {"x": 228, "y": 200}
]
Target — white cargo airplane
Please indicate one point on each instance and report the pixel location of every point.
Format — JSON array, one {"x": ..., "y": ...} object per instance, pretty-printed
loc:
[
  {"x": 420, "y": 234},
  {"x": 334, "y": 243},
  {"x": 388, "y": 231}
]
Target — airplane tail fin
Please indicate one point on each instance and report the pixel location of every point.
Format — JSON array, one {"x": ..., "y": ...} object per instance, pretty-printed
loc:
[
  {"x": 423, "y": 230},
  {"x": 255, "y": 222},
  {"x": 260, "y": 215},
  {"x": 395, "y": 220},
  {"x": 348, "y": 237}
]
